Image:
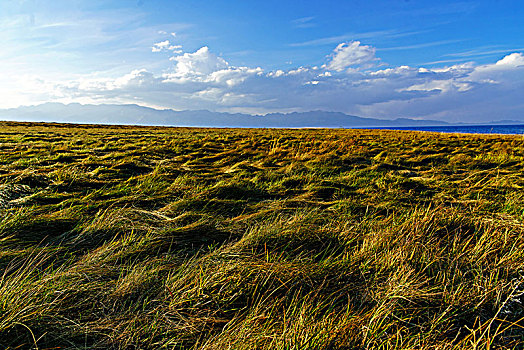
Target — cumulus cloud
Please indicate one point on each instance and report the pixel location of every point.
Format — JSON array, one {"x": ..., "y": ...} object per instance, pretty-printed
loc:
[
  {"x": 514, "y": 59},
  {"x": 166, "y": 46},
  {"x": 204, "y": 80},
  {"x": 199, "y": 63},
  {"x": 350, "y": 54}
]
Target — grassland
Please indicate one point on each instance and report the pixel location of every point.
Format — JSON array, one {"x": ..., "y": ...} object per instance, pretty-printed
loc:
[{"x": 148, "y": 238}]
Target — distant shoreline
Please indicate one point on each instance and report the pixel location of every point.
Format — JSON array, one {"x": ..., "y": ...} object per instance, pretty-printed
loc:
[{"x": 509, "y": 129}]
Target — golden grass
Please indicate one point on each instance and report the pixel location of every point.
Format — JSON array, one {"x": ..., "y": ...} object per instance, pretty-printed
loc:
[{"x": 147, "y": 237}]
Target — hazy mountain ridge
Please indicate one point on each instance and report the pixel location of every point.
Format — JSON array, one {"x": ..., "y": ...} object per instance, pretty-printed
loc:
[{"x": 134, "y": 114}]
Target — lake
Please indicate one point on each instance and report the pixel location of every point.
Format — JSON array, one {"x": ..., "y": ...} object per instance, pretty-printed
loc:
[{"x": 470, "y": 129}]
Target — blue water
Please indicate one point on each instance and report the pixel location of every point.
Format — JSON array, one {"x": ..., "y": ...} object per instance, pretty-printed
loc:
[{"x": 472, "y": 129}]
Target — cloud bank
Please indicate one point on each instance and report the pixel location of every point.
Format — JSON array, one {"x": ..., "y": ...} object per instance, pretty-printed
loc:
[{"x": 351, "y": 80}]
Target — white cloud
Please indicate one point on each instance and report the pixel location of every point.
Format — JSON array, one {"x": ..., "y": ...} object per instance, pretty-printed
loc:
[
  {"x": 277, "y": 73},
  {"x": 350, "y": 54},
  {"x": 397, "y": 71},
  {"x": 166, "y": 46},
  {"x": 201, "y": 62},
  {"x": 137, "y": 78},
  {"x": 442, "y": 85},
  {"x": 514, "y": 59},
  {"x": 204, "y": 80},
  {"x": 160, "y": 46}
]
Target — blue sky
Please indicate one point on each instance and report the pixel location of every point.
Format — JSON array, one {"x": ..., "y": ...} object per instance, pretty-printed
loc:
[{"x": 448, "y": 60}]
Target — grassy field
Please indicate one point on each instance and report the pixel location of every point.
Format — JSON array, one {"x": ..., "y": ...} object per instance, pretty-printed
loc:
[{"x": 148, "y": 238}]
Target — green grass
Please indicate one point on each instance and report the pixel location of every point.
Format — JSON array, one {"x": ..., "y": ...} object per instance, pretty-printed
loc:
[{"x": 151, "y": 238}]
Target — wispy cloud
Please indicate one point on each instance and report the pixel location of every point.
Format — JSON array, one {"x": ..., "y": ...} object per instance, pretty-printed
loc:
[
  {"x": 482, "y": 52},
  {"x": 422, "y": 45},
  {"x": 431, "y": 63},
  {"x": 304, "y": 22},
  {"x": 74, "y": 42},
  {"x": 381, "y": 34},
  {"x": 344, "y": 37},
  {"x": 439, "y": 10}
]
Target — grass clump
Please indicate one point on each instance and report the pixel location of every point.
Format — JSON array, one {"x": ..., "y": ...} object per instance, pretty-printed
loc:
[{"x": 143, "y": 237}]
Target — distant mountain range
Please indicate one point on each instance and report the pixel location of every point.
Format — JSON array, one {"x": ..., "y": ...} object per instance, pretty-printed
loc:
[{"x": 138, "y": 115}]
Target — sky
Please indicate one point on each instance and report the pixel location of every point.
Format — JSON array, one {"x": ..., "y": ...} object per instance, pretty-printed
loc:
[{"x": 456, "y": 61}]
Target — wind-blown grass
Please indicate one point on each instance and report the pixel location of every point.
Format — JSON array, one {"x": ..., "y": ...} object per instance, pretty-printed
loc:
[{"x": 147, "y": 238}]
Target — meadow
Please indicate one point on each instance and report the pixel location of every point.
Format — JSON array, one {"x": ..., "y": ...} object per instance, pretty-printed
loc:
[{"x": 176, "y": 238}]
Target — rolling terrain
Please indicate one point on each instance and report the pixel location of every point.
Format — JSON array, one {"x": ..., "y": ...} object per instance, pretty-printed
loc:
[{"x": 122, "y": 237}]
